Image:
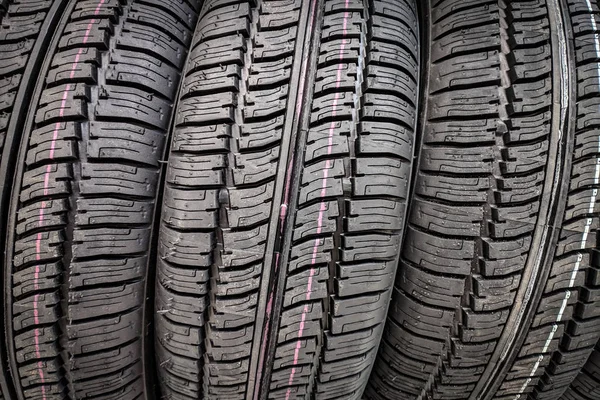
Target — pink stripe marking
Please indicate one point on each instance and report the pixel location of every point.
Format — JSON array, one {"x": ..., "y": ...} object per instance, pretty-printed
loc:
[
  {"x": 283, "y": 214},
  {"x": 328, "y": 165},
  {"x": 38, "y": 242}
]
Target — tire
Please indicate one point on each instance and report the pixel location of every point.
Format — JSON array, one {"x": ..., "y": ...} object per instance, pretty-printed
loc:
[
  {"x": 81, "y": 207},
  {"x": 19, "y": 31},
  {"x": 497, "y": 292},
  {"x": 292, "y": 113},
  {"x": 22, "y": 27},
  {"x": 587, "y": 384}
]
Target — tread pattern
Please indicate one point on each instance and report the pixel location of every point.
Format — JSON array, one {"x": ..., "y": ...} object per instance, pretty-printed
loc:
[
  {"x": 587, "y": 384},
  {"x": 575, "y": 278},
  {"x": 86, "y": 198},
  {"x": 475, "y": 208},
  {"x": 20, "y": 23},
  {"x": 219, "y": 193},
  {"x": 219, "y": 197},
  {"x": 349, "y": 218}
]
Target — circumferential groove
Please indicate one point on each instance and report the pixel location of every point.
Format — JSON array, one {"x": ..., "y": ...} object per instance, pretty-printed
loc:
[{"x": 300, "y": 199}]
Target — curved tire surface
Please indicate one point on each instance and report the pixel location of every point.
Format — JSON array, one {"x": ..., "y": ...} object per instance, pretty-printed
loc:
[
  {"x": 283, "y": 225},
  {"x": 497, "y": 291},
  {"x": 587, "y": 384},
  {"x": 86, "y": 176},
  {"x": 20, "y": 26},
  {"x": 285, "y": 198}
]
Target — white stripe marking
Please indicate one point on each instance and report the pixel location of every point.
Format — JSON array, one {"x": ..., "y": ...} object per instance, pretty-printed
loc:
[{"x": 584, "y": 237}]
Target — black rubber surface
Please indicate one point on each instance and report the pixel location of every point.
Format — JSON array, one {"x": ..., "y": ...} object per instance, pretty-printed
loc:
[
  {"x": 84, "y": 194},
  {"x": 216, "y": 199},
  {"x": 587, "y": 384},
  {"x": 285, "y": 198},
  {"x": 497, "y": 292},
  {"x": 20, "y": 24},
  {"x": 14, "y": 54}
]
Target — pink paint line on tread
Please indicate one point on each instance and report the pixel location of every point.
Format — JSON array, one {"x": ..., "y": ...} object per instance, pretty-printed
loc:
[
  {"x": 323, "y": 207},
  {"x": 38, "y": 241},
  {"x": 283, "y": 211}
]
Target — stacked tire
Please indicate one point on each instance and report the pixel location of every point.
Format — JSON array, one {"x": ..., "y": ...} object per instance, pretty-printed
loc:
[
  {"x": 499, "y": 298},
  {"x": 285, "y": 107},
  {"x": 300, "y": 199},
  {"x": 92, "y": 91}
]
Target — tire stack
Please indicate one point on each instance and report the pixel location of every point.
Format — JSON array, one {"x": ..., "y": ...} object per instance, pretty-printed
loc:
[{"x": 300, "y": 199}]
